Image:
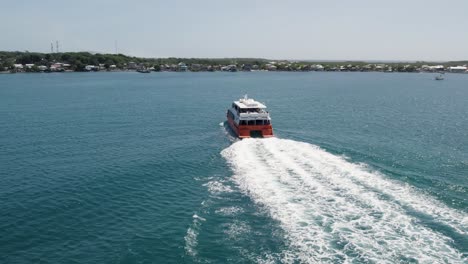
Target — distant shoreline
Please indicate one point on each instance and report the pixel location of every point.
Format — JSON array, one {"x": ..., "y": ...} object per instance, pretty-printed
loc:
[
  {"x": 17, "y": 62},
  {"x": 253, "y": 71}
]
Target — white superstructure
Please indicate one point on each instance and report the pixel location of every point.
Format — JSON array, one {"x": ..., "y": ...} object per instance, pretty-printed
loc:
[
  {"x": 247, "y": 111},
  {"x": 249, "y": 118}
]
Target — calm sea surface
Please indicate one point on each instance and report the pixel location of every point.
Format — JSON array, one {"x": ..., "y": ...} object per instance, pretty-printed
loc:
[{"x": 139, "y": 168}]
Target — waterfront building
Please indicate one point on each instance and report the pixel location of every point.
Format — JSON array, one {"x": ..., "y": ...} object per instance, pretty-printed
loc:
[
  {"x": 132, "y": 66},
  {"x": 457, "y": 69},
  {"x": 182, "y": 67},
  {"x": 195, "y": 67},
  {"x": 91, "y": 68},
  {"x": 271, "y": 67}
]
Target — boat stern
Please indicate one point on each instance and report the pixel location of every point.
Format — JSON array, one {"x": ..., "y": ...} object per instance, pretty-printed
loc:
[{"x": 255, "y": 131}]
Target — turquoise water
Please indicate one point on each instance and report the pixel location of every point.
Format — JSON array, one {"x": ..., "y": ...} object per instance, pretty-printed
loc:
[{"x": 139, "y": 168}]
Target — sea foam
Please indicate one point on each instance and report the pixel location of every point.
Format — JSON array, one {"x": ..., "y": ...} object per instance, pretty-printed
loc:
[{"x": 333, "y": 210}]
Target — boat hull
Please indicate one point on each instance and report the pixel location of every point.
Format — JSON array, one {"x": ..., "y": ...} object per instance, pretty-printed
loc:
[{"x": 243, "y": 131}]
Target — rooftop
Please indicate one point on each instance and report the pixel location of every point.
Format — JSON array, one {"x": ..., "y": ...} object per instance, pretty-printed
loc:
[{"x": 249, "y": 103}]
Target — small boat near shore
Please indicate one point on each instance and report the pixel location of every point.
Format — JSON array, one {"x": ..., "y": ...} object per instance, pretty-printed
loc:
[
  {"x": 249, "y": 118},
  {"x": 439, "y": 77},
  {"x": 143, "y": 71}
]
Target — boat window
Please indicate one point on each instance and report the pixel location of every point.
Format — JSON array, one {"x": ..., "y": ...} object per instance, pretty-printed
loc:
[
  {"x": 243, "y": 122},
  {"x": 251, "y": 122},
  {"x": 267, "y": 122},
  {"x": 253, "y": 110},
  {"x": 258, "y": 122}
]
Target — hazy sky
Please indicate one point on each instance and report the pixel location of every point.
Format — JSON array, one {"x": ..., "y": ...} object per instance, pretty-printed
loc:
[{"x": 330, "y": 30}]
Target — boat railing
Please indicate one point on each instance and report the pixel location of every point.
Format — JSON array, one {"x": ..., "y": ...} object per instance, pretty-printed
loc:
[
  {"x": 254, "y": 111},
  {"x": 254, "y": 115}
]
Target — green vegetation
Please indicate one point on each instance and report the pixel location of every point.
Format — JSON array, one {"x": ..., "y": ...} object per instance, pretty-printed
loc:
[{"x": 77, "y": 61}]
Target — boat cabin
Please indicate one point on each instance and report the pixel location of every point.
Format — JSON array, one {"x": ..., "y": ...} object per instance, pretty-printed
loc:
[
  {"x": 256, "y": 122},
  {"x": 248, "y": 106},
  {"x": 248, "y": 112},
  {"x": 249, "y": 118}
]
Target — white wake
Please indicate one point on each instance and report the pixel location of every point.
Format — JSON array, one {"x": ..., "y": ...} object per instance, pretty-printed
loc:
[{"x": 336, "y": 211}]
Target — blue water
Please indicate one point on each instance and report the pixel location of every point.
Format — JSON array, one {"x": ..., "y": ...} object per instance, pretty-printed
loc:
[{"x": 139, "y": 168}]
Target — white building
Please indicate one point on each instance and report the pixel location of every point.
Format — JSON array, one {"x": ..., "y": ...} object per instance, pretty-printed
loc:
[
  {"x": 319, "y": 67},
  {"x": 58, "y": 66},
  {"x": 457, "y": 69},
  {"x": 433, "y": 68},
  {"x": 182, "y": 66},
  {"x": 437, "y": 68},
  {"x": 90, "y": 67}
]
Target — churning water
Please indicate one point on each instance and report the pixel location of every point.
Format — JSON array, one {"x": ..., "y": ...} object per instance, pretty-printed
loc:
[{"x": 335, "y": 211}]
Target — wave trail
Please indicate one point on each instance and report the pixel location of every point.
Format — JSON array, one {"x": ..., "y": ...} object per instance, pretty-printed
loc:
[{"x": 336, "y": 211}]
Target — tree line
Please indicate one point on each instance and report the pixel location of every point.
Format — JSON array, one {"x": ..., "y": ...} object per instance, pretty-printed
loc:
[{"x": 79, "y": 60}]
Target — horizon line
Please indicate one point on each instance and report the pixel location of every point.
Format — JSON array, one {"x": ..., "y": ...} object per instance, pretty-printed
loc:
[{"x": 259, "y": 58}]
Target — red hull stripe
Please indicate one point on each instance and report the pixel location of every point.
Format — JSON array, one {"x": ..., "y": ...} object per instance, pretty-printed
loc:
[{"x": 244, "y": 131}]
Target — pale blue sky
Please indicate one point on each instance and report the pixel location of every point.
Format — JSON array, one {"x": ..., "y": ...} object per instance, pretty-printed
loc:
[{"x": 330, "y": 30}]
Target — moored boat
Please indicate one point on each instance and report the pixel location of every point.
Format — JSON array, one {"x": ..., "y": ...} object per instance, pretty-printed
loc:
[
  {"x": 249, "y": 118},
  {"x": 440, "y": 77}
]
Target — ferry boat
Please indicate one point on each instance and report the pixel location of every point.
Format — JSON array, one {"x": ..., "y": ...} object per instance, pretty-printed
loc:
[{"x": 249, "y": 118}]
